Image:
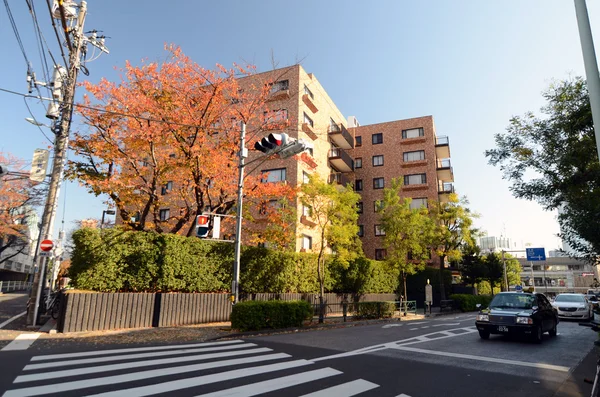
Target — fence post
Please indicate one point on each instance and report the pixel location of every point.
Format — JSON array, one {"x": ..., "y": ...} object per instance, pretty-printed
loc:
[{"x": 345, "y": 310}]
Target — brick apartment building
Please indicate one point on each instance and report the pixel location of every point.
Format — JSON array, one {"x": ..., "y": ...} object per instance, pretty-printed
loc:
[{"x": 367, "y": 156}]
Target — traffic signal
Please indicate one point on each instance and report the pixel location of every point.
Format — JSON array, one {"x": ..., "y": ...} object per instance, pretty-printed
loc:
[
  {"x": 271, "y": 143},
  {"x": 202, "y": 222}
]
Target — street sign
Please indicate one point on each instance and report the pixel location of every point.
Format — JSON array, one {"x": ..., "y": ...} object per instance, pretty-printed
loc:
[
  {"x": 518, "y": 288},
  {"x": 46, "y": 245},
  {"x": 536, "y": 254}
]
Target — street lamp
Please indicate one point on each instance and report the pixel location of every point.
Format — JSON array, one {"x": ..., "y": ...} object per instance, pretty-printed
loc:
[{"x": 108, "y": 212}]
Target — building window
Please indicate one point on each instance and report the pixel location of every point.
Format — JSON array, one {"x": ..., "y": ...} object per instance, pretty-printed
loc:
[
  {"x": 308, "y": 92},
  {"x": 280, "y": 86},
  {"x": 377, "y": 205},
  {"x": 414, "y": 156},
  {"x": 378, "y": 160},
  {"x": 359, "y": 207},
  {"x": 378, "y": 183},
  {"x": 308, "y": 120},
  {"x": 418, "y": 203},
  {"x": 275, "y": 116},
  {"x": 276, "y": 175},
  {"x": 357, "y": 141},
  {"x": 358, "y": 162},
  {"x": 305, "y": 177},
  {"x": 413, "y": 133},
  {"x": 167, "y": 187},
  {"x": 377, "y": 138},
  {"x": 164, "y": 214},
  {"x": 380, "y": 254},
  {"x": 379, "y": 230},
  {"x": 415, "y": 179},
  {"x": 358, "y": 186},
  {"x": 306, "y": 211},
  {"x": 306, "y": 242},
  {"x": 361, "y": 230}
]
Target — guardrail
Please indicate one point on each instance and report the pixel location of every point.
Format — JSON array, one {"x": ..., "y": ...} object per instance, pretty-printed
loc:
[{"x": 10, "y": 286}]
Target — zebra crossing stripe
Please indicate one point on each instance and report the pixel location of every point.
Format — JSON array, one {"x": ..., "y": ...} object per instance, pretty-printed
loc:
[
  {"x": 56, "y": 364},
  {"x": 172, "y": 386},
  {"x": 345, "y": 389},
  {"x": 21, "y": 342},
  {"x": 129, "y": 350},
  {"x": 136, "y": 364},
  {"x": 266, "y": 386},
  {"x": 111, "y": 380}
]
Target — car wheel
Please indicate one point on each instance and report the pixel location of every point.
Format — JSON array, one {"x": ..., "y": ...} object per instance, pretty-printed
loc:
[
  {"x": 484, "y": 334},
  {"x": 552, "y": 332},
  {"x": 537, "y": 334}
]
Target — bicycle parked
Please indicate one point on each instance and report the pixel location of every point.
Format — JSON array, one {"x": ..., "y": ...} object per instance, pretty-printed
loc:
[{"x": 52, "y": 303}]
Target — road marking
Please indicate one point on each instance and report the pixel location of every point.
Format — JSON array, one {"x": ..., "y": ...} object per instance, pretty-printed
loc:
[
  {"x": 136, "y": 364},
  {"x": 22, "y": 342},
  {"x": 55, "y": 364},
  {"x": 403, "y": 395},
  {"x": 445, "y": 325},
  {"x": 170, "y": 387},
  {"x": 129, "y": 350},
  {"x": 414, "y": 329},
  {"x": 488, "y": 359},
  {"x": 392, "y": 325},
  {"x": 10, "y": 320},
  {"x": 162, "y": 387},
  {"x": 274, "y": 384},
  {"x": 345, "y": 389},
  {"x": 427, "y": 326},
  {"x": 419, "y": 323}
]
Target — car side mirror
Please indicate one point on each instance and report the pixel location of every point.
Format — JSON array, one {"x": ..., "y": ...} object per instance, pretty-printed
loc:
[
  {"x": 478, "y": 305},
  {"x": 534, "y": 307}
]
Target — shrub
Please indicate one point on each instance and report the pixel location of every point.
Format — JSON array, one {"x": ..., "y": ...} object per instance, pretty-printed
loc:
[
  {"x": 375, "y": 309},
  {"x": 467, "y": 303},
  {"x": 257, "y": 315}
]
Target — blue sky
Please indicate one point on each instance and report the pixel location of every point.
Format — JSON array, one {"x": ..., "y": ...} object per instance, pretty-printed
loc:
[{"x": 470, "y": 64}]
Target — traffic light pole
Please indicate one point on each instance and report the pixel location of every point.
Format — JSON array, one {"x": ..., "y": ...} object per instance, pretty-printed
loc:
[
  {"x": 58, "y": 165},
  {"x": 235, "y": 285}
]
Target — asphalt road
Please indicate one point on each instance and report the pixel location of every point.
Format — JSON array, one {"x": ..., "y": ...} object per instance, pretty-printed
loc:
[
  {"x": 432, "y": 357},
  {"x": 12, "y": 304}
]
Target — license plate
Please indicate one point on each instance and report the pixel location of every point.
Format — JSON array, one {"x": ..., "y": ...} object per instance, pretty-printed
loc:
[
  {"x": 502, "y": 328},
  {"x": 567, "y": 314}
]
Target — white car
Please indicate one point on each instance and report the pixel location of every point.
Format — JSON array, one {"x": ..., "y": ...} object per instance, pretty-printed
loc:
[{"x": 574, "y": 306}]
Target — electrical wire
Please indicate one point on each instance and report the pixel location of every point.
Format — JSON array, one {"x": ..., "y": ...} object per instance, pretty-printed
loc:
[
  {"x": 62, "y": 53},
  {"x": 31, "y": 113},
  {"x": 38, "y": 39},
  {"x": 16, "y": 31}
]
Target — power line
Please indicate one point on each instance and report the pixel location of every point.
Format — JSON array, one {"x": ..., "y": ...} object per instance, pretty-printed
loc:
[
  {"x": 16, "y": 31},
  {"x": 40, "y": 47},
  {"x": 62, "y": 53},
  {"x": 39, "y": 32},
  {"x": 31, "y": 113}
]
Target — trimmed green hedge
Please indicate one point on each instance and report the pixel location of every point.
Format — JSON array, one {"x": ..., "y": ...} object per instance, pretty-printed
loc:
[
  {"x": 375, "y": 309},
  {"x": 466, "y": 303},
  {"x": 257, "y": 315}
]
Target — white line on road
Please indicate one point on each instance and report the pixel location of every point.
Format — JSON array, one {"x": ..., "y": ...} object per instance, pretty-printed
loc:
[
  {"x": 129, "y": 350},
  {"x": 488, "y": 359},
  {"x": 392, "y": 325},
  {"x": 10, "y": 320},
  {"x": 427, "y": 326},
  {"x": 414, "y": 329},
  {"x": 274, "y": 384},
  {"x": 22, "y": 342},
  {"x": 135, "y": 364},
  {"x": 403, "y": 395},
  {"x": 419, "y": 323},
  {"x": 56, "y": 364},
  {"x": 445, "y": 325},
  {"x": 345, "y": 390}
]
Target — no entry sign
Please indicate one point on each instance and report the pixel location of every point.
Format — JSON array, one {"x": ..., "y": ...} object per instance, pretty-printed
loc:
[{"x": 46, "y": 245}]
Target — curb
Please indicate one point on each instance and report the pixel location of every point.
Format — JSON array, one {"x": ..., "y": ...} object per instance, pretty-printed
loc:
[{"x": 49, "y": 327}]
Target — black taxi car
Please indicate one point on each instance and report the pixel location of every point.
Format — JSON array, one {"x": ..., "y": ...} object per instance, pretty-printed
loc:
[{"x": 512, "y": 313}]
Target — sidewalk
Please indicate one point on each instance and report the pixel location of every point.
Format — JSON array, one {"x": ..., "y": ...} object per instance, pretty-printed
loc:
[{"x": 574, "y": 386}]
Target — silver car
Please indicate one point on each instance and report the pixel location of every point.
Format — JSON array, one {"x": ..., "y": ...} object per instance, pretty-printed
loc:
[{"x": 575, "y": 306}]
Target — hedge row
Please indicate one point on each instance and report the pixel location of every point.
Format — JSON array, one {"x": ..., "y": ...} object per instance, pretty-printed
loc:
[
  {"x": 113, "y": 260},
  {"x": 257, "y": 315},
  {"x": 467, "y": 303},
  {"x": 375, "y": 309}
]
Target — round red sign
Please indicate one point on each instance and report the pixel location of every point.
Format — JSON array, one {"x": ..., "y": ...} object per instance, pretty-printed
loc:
[{"x": 46, "y": 245}]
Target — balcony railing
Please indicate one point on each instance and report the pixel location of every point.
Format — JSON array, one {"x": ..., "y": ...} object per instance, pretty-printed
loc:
[
  {"x": 341, "y": 160},
  {"x": 442, "y": 147},
  {"x": 443, "y": 163},
  {"x": 339, "y": 178},
  {"x": 340, "y": 136},
  {"x": 442, "y": 140},
  {"x": 445, "y": 187}
]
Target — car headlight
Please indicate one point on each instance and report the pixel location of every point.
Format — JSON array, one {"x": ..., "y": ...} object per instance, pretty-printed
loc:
[
  {"x": 524, "y": 320},
  {"x": 483, "y": 317},
  {"x": 582, "y": 308}
]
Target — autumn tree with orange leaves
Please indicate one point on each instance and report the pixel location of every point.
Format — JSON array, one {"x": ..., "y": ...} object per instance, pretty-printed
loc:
[
  {"x": 167, "y": 136},
  {"x": 17, "y": 197}
]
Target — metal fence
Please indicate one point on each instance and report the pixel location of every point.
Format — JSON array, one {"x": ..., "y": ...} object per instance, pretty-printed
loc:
[
  {"x": 349, "y": 309},
  {"x": 10, "y": 286}
]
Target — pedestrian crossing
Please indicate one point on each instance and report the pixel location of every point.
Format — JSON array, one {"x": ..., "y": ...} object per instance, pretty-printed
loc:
[{"x": 227, "y": 368}]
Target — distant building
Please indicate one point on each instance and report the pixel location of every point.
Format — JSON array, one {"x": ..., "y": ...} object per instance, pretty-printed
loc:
[
  {"x": 20, "y": 264},
  {"x": 558, "y": 274}
]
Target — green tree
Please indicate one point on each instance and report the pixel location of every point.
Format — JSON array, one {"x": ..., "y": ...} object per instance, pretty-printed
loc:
[
  {"x": 494, "y": 269},
  {"x": 407, "y": 232},
  {"x": 472, "y": 265},
  {"x": 333, "y": 210},
  {"x": 453, "y": 229},
  {"x": 552, "y": 159}
]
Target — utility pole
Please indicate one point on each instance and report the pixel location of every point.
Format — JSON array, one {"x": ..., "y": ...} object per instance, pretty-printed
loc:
[
  {"x": 60, "y": 150},
  {"x": 591, "y": 65},
  {"x": 235, "y": 284}
]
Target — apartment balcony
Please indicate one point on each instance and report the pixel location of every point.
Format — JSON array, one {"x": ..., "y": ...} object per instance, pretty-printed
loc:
[
  {"x": 340, "y": 178},
  {"x": 339, "y": 135},
  {"x": 444, "y": 170},
  {"x": 341, "y": 160},
  {"x": 276, "y": 95},
  {"x": 442, "y": 147},
  {"x": 309, "y": 103},
  {"x": 444, "y": 191}
]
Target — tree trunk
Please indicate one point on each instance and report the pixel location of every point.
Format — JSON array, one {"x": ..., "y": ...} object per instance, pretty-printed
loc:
[
  {"x": 442, "y": 288},
  {"x": 405, "y": 294},
  {"x": 492, "y": 286},
  {"x": 321, "y": 277}
]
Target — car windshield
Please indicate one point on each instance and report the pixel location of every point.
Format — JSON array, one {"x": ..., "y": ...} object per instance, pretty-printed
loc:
[
  {"x": 570, "y": 298},
  {"x": 512, "y": 301}
]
